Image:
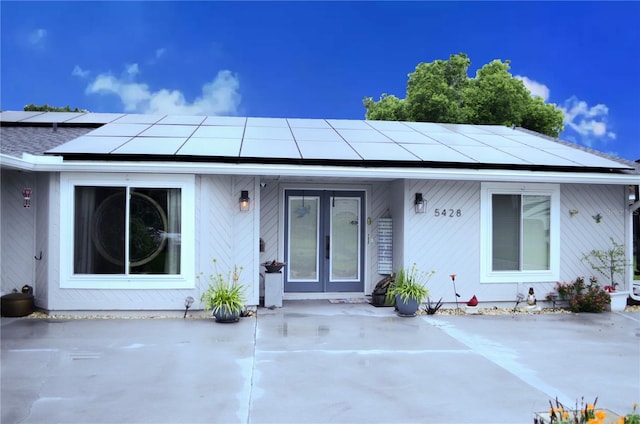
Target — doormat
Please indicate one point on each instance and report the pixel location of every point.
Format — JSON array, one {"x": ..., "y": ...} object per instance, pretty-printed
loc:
[{"x": 351, "y": 300}]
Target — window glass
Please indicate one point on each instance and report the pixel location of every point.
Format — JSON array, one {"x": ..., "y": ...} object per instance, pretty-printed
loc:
[
  {"x": 116, "y": 233},
  {"x": 520, "y": 231}
]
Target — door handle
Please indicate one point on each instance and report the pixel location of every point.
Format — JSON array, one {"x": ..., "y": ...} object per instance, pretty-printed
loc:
[{"x": 327, "y": 244}]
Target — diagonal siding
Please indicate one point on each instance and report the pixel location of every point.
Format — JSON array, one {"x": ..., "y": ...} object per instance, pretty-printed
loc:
[
  {"x": 17, "y": 231},
  {"x": 581, "y": 233}
]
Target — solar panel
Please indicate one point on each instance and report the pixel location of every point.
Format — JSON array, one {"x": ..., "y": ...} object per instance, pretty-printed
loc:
[
  {"x": 307, "y": 123},
  {"x": 539, "y": 157},
  {"x": 211, "y": 147},
  {"x": 583, "y": 158},
  {"x": 454, "y": 139},
  {"x": 389, "y": 125},
  {"x": 316, "y": 134},
  {"x": 437, "y": 153},
  {"x": 159, "y": 130},
  {"x": 318, "y": 150},
  {"x": 379, "y": 151},
  {"x": 91, "y": 145},
  {"x": 270, "y": 149},
  {"x": 219, "y": 132},
  {"x": 182, "y": 120},
  {"x": 497, "y": 129},
  {"x": 485, "y": 154},
  {"x": 409, "y": 137},
  {"x": 268, "y": 133},
  {"x": 15, "y": 116},
  {"x": 51, "y": 117},
  {"x": 267, "y": 122},
  {"x": 139, "y": 119},
  {"x": 225, "y": 120},
  {"x": 427, "y": 127},
  {"x": 95, "y": 118},
  {"x": 347, "y": 124},
  {"x": 363, "y": 136},
  {"x": 130, "y": 130},
  {"x": 465, "y": 129},
  {"x": 151, "y": 146}
]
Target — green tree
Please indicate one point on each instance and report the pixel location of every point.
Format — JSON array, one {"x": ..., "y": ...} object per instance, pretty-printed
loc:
[
  {"x": 47, "y": 108},
  {"x": 441, "y": 91}
]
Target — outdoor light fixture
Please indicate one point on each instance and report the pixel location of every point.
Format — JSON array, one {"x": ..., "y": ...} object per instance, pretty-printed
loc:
[
  {"x": 244, "y": 200},
  {"x": 26, "y": 194},
  {"x": 419, "y": 203},
  {"x": 188, "y": 301}
]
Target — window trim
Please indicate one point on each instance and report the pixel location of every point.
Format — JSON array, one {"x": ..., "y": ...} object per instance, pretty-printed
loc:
[
  {"x": 487, "y": 275},
  {"x": 184, "y": 280}
]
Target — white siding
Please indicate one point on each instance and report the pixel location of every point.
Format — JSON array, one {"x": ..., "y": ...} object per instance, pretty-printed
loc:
[
  {"x": 17, "y": 231},
  {"x": 42, "y": 240},
  {"x": 581, "y": 233}
]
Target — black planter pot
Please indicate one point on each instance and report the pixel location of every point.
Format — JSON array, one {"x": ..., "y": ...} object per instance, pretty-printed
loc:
[
  {"x": 17, "y": 305},
  {"x": 225, "y": 317}
]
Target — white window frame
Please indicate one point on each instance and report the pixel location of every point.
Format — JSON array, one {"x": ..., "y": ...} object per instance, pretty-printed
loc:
[
  {"x": 184, "y": 280},
  {"x": 487, "y": 275}
]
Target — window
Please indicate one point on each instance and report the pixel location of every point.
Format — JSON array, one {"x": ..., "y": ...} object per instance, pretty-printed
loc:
[
  {"x": 520, "y": 232},
  {"x": 127, "y": 234}
]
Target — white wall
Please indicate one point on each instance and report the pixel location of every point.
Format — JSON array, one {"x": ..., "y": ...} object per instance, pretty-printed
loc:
[{"x": 17, "y": 231}]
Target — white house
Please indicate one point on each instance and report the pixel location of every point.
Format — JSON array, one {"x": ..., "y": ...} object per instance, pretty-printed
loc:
[{"x": 123, "y": 211}]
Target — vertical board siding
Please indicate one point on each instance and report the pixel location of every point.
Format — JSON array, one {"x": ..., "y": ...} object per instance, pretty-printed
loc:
[
  {"x": 379, "y": 207},
  {"x": 581, "y": 233},
  {"x": 269, "y": 230},
  {"x": 18, "y": 231},
  {"x": 245, "y": 235},
  {"x": 446, "y": 244}
]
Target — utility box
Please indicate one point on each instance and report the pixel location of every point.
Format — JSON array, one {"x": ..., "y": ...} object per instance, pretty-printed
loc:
[{"x": 273, "y": 289}]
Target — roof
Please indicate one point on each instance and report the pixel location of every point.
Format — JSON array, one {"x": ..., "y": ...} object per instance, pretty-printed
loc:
[{"x": 335, "y": 142}]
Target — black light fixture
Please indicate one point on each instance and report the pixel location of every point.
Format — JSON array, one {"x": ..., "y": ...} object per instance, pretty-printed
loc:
[
  {"x": 419, "y": 203},
  {"x": 244, "y": 200},
  {"x": 188, "y": 301}
]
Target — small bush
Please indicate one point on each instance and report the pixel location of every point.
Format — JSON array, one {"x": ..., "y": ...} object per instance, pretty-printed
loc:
[{"x": 582, "y": 297}]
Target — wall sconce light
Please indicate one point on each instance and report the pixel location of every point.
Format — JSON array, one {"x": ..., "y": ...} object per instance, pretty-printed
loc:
[
  {"x": 26, "y": 194},
  {"x": 419, "y": 203},
  {"x": 244, "y": 200}
]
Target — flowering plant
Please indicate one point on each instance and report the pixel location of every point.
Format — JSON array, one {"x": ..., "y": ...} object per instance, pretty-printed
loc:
[
  {"x": 582, "y": 297},
  {"x": 225, "y": 293},
  {"x": 585, "y": 414}
]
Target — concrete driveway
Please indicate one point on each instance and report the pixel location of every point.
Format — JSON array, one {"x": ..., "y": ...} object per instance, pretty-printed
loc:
[{"x": 316, "y": 362}]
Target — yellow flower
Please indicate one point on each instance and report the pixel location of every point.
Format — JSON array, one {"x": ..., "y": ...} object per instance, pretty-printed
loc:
[
  {"x": 600, "y": 414},
  {"x": 620, "y": 420},
  {"x": 590, "y": 407},
  {"x": 565, "y": 415},
  {"x": 593, "y": 421}
]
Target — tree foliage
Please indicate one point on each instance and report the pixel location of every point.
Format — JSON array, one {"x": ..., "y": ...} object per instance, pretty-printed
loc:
[
  {"x": 441, "y": 91},
  {"x": 48, "y": 108}
]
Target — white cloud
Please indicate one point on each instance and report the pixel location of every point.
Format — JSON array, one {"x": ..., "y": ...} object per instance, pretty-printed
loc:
[
  {"x": 536, "y": 88},
  {"x": 220, "y": 96},
  {"x": 588, "y": 122},
  {"x": 79, "y": 72},
  {"x": 133, "y": 69},
  {"x": 37, "y": 36},
  {"x": 159, "y": 52}
]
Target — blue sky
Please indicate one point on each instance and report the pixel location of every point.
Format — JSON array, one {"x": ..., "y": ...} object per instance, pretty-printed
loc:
[{"x": 319, "y": 59}]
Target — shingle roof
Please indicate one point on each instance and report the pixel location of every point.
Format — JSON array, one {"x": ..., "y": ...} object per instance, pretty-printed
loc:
[{"x": 35, "y": 140}]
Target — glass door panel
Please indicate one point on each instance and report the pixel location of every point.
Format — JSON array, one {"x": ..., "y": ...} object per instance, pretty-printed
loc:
[
  {"x": 345, "y": 239},
  {"x": 304, "y": 226}
]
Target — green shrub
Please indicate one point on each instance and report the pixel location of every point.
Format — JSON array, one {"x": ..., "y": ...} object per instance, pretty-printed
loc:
[{"x": 583, "y": 297}]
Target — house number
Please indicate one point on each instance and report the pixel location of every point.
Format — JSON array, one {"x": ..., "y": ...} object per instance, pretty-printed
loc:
[{"x": 451, "y": 213}]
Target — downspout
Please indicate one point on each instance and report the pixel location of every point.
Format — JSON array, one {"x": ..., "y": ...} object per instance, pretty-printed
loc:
[{"x": 629, "y": 236}]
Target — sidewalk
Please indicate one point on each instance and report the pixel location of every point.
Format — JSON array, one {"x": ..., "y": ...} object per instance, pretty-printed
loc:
[{"x": 316, "y": 362}]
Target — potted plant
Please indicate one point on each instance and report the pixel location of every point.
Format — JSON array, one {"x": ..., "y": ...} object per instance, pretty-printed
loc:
[
  {"x": 273, "y": 266},
  {"x": 610, "y": 262},
  {"x": 409, "y": 290},
  {"x": 225, "y": 295}
]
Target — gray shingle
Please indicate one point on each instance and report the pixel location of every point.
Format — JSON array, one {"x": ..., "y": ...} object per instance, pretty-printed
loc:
[{"x": 15, "y": 140}]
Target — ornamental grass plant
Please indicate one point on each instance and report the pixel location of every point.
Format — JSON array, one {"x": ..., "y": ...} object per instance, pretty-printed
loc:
[{"x": 582, "y": 297}]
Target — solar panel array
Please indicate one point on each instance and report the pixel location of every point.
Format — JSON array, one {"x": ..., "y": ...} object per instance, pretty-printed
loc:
[{"x": 312, "y": 139}]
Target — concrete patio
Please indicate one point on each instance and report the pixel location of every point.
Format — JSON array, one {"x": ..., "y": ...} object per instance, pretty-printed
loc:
[{"x": 317, "y": 362}]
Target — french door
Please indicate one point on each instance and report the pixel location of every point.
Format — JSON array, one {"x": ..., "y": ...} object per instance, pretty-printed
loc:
[{"x": 324, "y": 241}]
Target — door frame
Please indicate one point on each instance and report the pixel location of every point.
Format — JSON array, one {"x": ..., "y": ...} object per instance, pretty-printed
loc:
[{"x": 365, "y": 237}]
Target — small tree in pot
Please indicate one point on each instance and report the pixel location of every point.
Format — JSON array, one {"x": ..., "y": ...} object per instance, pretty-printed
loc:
[{"x": 409, "y": 289}]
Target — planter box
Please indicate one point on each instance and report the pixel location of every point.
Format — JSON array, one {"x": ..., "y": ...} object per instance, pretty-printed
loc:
[{"x": 618, "y": 301}]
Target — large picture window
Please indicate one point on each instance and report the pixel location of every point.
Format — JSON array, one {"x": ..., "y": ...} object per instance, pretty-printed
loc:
[
  {"x": 135, "y": 229},
  {"x": 520, "y": 232}
]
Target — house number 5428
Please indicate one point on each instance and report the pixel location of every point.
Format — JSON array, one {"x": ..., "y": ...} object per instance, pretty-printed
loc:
[{"x": 451, "y": 213}]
